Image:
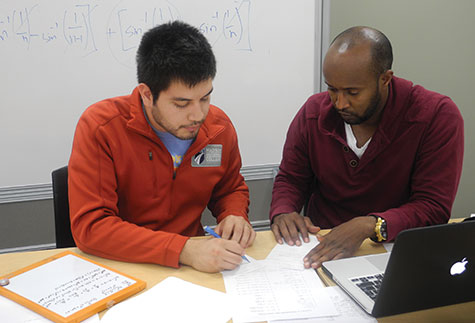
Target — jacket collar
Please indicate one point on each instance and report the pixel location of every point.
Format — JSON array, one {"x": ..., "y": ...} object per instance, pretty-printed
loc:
[{"x": 394, "y": 114}]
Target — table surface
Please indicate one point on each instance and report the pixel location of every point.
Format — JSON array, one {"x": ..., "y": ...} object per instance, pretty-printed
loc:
[{"x": 153, "y": 274}]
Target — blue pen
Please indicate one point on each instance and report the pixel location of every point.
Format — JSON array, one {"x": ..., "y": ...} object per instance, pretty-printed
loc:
[{"x": 214, "y": 234}]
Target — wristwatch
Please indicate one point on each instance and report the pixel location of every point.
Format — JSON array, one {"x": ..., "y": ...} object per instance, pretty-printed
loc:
[{"x": 380, "y": 229}]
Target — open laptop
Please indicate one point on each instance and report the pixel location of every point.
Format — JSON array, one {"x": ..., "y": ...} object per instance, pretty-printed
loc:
[{"x": 428, "y": 267}]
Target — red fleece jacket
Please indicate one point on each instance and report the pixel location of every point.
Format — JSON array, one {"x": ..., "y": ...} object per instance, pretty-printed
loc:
[{"x": 127, "y": 204}]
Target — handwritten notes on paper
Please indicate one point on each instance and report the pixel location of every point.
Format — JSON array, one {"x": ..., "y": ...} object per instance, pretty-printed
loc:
[
  {"x": 68, "y": 284},
  {"x": 278, "y": 287},
  {"x": 98, "y": 283},
  {"x": 267, "y": 293},
  {"x": 348, "y": 311}
]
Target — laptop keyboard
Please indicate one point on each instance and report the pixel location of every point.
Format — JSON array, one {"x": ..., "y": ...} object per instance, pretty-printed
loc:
[{"x": 369, "y": 284}]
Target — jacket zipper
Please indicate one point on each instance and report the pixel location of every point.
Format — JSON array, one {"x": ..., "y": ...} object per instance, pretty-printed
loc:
[{"x": 155, "y": 179}]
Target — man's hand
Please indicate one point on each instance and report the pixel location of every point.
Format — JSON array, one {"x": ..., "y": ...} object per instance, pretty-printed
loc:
[
  {"x": 288, "y": 226},
  {"x": 341, "y": 242},
  {"x": 236, "y": 228},
  {"x": 211, "y": 255}
]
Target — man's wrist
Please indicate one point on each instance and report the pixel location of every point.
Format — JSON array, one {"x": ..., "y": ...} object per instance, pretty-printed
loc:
[
  {"x": 188, "y": 252},
  {"x": 370, "y": 224}
]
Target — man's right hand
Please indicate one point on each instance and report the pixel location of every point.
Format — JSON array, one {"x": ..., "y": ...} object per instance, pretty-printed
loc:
[
  {"x": 287, "y": 226},
  {"x": 212, "y": 255}
]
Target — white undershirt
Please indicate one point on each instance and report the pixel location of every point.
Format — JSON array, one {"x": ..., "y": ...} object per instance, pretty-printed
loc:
[{"x": 351, "y": 141}]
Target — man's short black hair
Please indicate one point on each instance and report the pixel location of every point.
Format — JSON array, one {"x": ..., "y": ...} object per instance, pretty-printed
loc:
[
  {"x": 381, "y": 49},
  {"x": 174, "y": 51}
]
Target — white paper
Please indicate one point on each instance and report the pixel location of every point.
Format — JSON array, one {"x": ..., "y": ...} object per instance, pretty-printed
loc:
[
  {"x": 173, "y": 300},
  {"x": 292, "y": 256},
  {"x": 265, "y": 291},
  {"x": 68, "y": 284},
  {"x": 348, "y": 311},
  {"x": 12, "y": 312},
  {"x": 388, "y": 246}
]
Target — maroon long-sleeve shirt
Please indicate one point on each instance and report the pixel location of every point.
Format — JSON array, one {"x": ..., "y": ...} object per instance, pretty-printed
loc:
[{"x": 408, "y": 175}]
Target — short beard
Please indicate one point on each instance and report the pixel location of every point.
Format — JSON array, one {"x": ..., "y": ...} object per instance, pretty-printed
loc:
[
  {"x": 370, "y": 110},
  {"x": 174, "y": 132}
]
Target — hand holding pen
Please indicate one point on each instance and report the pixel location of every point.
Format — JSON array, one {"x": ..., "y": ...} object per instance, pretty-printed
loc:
[{"x": 214, "y": 234}]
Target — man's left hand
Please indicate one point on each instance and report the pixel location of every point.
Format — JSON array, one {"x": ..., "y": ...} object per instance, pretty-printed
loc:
[
  {"x": 341, "y": 242},
  {"x": 236, "y": 228}
]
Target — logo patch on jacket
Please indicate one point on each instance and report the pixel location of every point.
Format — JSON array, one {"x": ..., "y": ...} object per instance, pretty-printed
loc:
[{"x": 210, "y": 156}]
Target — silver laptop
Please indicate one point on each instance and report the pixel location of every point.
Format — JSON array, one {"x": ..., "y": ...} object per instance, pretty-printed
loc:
[{"x": 428, "y": 267}]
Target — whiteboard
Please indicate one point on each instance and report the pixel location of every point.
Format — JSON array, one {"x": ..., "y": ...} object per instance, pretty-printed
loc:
[
  {"x": 68, "y": 287},
  {"x": 60, "y": 56}
]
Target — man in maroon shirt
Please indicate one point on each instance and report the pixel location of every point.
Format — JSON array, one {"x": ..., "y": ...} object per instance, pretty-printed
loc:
[{"x": 372, "y": 156}]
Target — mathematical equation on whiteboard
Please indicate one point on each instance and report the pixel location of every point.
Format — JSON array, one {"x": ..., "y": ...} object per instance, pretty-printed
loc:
[{"x": 88, "y": 27}]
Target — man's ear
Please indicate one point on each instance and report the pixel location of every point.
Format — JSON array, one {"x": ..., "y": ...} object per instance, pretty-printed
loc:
[
  {"x": 386, "y": 77},
  {"x": 145, "y": 94}
]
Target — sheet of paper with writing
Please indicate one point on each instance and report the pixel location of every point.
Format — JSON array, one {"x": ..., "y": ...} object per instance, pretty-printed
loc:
[
  {"x": 265, "y": 291},
  {"x": 291, "y": 257},
  {"x": 348, "y": 311},
  {"x": 68, "y": 287}
]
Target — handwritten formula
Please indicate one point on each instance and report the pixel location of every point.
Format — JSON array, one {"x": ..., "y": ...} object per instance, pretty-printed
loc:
[
  {"x": 68, "y": 284},
  {"x": 87, "y": 27}
]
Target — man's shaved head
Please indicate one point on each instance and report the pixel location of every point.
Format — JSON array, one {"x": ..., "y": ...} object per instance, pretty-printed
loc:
[{"x": 380, "y": 46}]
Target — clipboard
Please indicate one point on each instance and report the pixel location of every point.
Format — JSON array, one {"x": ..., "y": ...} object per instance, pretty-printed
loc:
[{"x": 68, "y": 288}]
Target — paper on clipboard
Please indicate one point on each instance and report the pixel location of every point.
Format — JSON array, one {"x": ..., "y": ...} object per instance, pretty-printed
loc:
[{"x": 68, "y": 287}]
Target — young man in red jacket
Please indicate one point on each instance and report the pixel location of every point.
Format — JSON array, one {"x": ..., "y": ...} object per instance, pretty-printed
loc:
[
  {"x": 372, "y": 156},
  {"x": 145, "y": 166}
]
